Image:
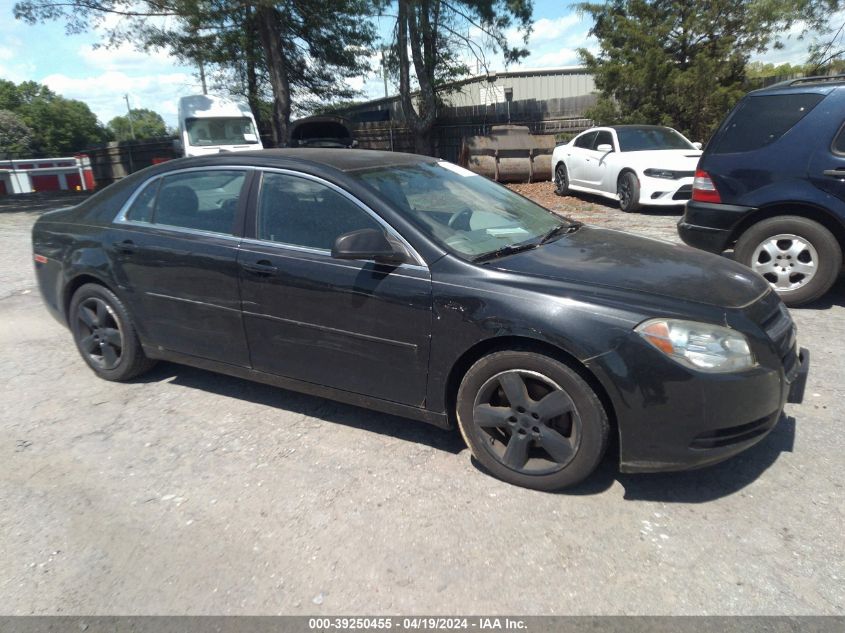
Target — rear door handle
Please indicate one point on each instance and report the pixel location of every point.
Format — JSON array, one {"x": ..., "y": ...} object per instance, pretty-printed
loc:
[
  {"x": 836, "y": 173},
  {"x": 261, "y": 267},
  {"x": 126, "y": 246}
]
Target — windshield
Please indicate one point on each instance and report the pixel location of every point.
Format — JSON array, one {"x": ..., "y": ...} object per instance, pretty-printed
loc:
[
  {"x": 467, "y": 214},
  {"x": 638, "y": 139},
  {"x": 221, "y": 131}
]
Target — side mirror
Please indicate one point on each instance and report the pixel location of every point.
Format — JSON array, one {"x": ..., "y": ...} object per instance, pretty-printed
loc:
[
  {"x": 604, "y": 147},
  {"x": 369, "y": 244},
  {"x": 697, "y": 145}
]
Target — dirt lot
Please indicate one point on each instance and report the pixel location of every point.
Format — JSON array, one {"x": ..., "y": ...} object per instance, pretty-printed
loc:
[{"x": 188, "y": 492}]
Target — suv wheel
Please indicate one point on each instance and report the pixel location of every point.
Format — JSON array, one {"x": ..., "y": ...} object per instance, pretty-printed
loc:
[
  {"x": 531, "y": 420},
  {"x": 800, "y": 258}
]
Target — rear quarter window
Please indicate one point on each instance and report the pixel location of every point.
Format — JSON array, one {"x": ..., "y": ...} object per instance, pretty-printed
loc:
[
  {"x": 839, "y": 141},
  {"x": 760, "y": 121}
]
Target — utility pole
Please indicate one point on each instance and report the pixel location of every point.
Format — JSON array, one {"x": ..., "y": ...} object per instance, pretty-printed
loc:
[{"x": 129, "y": 114}]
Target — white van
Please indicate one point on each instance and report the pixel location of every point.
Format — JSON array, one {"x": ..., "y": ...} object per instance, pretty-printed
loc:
[{"x": 209, "y": 124}]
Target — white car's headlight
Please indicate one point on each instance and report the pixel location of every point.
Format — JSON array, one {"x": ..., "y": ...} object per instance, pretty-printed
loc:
[{"x": 701, "y": 346}]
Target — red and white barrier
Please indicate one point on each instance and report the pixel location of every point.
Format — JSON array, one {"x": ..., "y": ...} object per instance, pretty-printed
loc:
[{"x": 46, "y": 174}]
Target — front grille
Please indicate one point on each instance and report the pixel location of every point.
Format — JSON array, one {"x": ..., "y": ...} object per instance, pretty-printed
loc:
[
  {"x": 684, "y": 193},
  {"x": 735, "y": 434}
]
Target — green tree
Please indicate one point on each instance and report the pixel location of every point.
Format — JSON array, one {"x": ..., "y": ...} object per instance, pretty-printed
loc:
[
  {"x": 302, "y": 49},
  {"x": 15, "y": 136},
  {"x": 433, "y": 40},
  {"x": 145, "y": 124},
  {"x": 683, "y": 62}
]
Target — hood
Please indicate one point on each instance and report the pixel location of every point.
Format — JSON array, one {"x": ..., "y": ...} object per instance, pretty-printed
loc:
[
  {"x": 608, "y": 258},
  {"x": 679, "y": 159}
]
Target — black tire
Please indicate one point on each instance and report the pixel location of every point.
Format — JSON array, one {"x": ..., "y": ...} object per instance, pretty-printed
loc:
[
  {"x": 561, "y": 180},
  {"x": 628, "y": 190},
  {"x": 104, "y": 334},
  {"x": 572, "y": 424},
  {"x": 799, "y": 245}
]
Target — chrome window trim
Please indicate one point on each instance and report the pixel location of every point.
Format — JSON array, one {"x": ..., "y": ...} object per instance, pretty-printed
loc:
[
  {"x": 420, "y": 262},
  {"x": 120, "y": 218}
]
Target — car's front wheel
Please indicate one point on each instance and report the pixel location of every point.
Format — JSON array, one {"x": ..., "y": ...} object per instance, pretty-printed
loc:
[
  {"x": 104, "y": 334},
  {"x": 628, "y": 190},
  {"x": 531, "y": 420},
  {"x": 800, "y": 258}
]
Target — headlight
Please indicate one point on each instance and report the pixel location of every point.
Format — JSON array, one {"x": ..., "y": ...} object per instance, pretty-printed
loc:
[
  {"x": 668, "y": 174},
  {"x": 701, "y": 346}
]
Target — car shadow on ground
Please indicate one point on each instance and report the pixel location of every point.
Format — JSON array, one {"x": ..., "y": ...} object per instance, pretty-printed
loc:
[
  {"x": 696, "y": 486},
  {"x": 302, "y": 404},
  {"x": 835, "y": 297},
  {"x": 613, "y": 205}
]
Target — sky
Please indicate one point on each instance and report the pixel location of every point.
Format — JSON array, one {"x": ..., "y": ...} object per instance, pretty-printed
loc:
[{"x": 72, "y": 66}]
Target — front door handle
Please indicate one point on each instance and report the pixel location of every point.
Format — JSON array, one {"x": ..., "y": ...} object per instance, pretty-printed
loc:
[
  {"x": 836, "y": 173},
  {"x": 261, "y": 267},
  {"x": 126, "y": 246}
]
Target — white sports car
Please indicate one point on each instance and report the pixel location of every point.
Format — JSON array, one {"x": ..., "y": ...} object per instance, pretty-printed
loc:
[{"x": 634, "y": 164}]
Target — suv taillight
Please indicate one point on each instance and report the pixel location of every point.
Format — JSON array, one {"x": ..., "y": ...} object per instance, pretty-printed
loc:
[{"x": 703, "y": 189}]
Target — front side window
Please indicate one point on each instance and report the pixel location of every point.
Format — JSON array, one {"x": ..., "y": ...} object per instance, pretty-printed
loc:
[
  {"x": 201, "y": 200},
  {"x": 760, "y": 121},
  {"x": 221, "y": 131},
  {"x": 585, "y": 140},
  {"x": 603, "y": 138},
  {"x": 467, "y": 214},
  {"x": 302, "y": 212}
]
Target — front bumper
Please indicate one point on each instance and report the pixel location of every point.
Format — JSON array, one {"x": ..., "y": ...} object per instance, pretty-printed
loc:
[
  {"x": 710, "y": 226},
  {"x": 674, "y": 419},
  {"x": 664, "y": 192}
]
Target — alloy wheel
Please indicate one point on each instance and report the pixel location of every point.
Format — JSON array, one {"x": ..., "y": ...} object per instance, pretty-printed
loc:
[
  {"x": 99, "y": 333},
  {"x": 528, "y": 422},
  {"x": 786, "y": 261},
  {"x": 624, "y": 192}
]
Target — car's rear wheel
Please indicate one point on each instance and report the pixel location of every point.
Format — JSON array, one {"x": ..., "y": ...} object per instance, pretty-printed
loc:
[
  {"x": 531, "y": 421},
  {"x": 561, "y": 180},
  {"x": 799, "y": 257},
  {"x": 628, "y": 190},
  {"x": 104, "y": 334}
]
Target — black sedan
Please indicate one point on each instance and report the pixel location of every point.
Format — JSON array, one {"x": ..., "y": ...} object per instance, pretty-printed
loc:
[{"x": 408, "y": 285}]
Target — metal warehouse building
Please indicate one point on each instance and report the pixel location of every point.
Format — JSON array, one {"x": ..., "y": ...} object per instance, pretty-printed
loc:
[{"x": 548, "y": 101}]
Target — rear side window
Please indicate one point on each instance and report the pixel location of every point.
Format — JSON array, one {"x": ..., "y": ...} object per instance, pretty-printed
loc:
[
  {"x": 760, "y": 121},
  {"x": 302, "y": 212},
  {"x": 142, "y": 208},
  {"x": 839, "y": 141},
  {"x": 585, "y": 140},
  {"x": 202, "y": 200}
]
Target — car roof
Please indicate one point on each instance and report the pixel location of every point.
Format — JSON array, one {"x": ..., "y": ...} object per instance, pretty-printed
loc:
[
  {"x": 346, "y": 160},
  {"x": 640, "y": 127},
  {"x": 821, "y": 84}
]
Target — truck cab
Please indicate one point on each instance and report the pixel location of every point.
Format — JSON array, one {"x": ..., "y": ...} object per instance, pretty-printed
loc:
[{"x": 210, "y": 125}]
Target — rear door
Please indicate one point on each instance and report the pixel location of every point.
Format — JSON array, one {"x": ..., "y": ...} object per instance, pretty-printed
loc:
[
  {"x": 577, "y": 156},
  {"x": 826, "y": 168},
  {"x": 174, "y": 252},
  {"x": 358, "y": 326}
]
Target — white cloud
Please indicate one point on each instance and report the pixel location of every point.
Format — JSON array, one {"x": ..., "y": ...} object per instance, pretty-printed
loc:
[
  {"x": 546, "y": 29},
  {"x": 104, "y": 92},
  {"x": 126, "y": 58}
]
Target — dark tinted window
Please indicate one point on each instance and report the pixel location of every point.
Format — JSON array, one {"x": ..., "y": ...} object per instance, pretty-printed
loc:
[
  {"x": 839, "y": 141},
  {"x": 303, "y": 212},
  {"x": 202, "y": 200},
  {"x": 585, "y": 140},
  {"x": 759, "y": 121},
  {"x": 603, "y": 138},
  {"x": 142, "y": 208},
  {"x": 639, "y": 139}
]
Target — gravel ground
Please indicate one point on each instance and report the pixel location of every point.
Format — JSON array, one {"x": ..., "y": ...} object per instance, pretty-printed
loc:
[{"x": 186, "y": 492}]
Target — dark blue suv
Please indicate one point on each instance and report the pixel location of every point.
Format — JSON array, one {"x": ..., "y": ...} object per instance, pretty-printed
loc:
[{"x": 771, "y": 185}]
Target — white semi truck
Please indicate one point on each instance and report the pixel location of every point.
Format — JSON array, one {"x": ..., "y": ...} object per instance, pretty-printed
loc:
[{"x": 209, "y": 125}]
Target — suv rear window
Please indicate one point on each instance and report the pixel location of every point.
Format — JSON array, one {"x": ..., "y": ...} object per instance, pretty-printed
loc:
[{"x": 759, "y": 121}]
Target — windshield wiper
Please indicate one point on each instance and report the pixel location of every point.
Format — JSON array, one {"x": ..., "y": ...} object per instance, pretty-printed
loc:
[
  {"x": 509, "y": 249},
  {"x": 560, "y": 229}
]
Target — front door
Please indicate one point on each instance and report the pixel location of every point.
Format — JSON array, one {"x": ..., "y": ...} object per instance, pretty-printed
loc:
[
  {"x": 357, "y": 326},
  {"x": 174, "y": 254}
]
